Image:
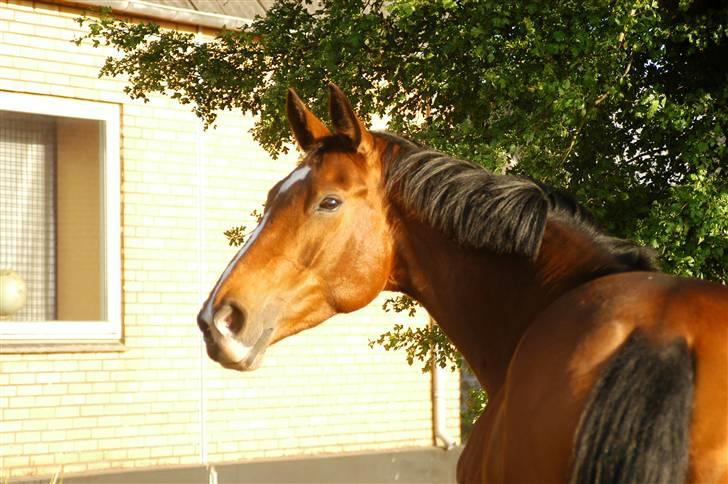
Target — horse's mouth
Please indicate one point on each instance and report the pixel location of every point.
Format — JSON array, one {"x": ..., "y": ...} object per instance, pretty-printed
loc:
[{"x": 252, "y": 358}]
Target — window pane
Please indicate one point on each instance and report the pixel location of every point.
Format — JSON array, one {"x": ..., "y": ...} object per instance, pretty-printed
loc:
[{"x": 27, "y": 194}]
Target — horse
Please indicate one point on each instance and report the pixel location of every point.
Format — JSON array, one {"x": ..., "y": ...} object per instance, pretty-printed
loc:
[{"x": 599, "y": 367}]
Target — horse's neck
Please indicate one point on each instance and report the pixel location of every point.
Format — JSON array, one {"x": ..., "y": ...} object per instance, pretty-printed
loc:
[{"x": 484, "y": 301}]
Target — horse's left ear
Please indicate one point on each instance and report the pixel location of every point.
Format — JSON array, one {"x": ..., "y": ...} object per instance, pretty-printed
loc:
[{"x": 346, "y": 122}]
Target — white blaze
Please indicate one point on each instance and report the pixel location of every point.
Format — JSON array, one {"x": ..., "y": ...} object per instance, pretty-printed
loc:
[{"x": 295, "y": 177}]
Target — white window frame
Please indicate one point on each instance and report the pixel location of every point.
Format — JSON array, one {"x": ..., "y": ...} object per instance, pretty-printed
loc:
[{"x": 29, "y": 336}]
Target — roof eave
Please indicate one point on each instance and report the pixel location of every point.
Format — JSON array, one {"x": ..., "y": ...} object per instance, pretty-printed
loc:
[{"x": 170, "y": 14}]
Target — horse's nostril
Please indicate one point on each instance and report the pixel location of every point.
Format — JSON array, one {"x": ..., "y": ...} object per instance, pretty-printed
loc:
[
  {"x": 229, "y": 320},
  {"x": 236, "y": 320}
]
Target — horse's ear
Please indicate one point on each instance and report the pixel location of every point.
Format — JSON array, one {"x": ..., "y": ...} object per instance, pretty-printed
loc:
[
  {"x": 346, "y": 122},
  {"x": 306, "y": 127}
]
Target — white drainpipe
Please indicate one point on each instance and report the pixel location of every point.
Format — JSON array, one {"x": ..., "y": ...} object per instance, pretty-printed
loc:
[
  {"x": 169, "y": 14},
  {"x": 438, "y": 405}
]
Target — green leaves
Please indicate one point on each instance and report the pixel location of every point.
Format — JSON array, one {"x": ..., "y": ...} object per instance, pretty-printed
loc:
[
  {"x": 236, "y": 235},
  {"x": 689, "y": 229},
  {"x": 619, "y": 102},
  {"x": 428, "y": 345}
]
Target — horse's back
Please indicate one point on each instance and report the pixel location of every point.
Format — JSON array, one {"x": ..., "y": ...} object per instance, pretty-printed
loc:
[{"x": 567, "y": 350}]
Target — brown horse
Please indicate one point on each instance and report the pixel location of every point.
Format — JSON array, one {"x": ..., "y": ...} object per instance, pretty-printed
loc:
[{"x": 600, "y": 369}]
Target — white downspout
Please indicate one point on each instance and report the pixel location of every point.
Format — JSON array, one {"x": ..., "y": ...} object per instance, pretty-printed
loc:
[{"x": 438, "y": 405}]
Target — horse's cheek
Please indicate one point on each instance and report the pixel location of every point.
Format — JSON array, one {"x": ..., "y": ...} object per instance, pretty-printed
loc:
[{"x": 362, "y": 271}]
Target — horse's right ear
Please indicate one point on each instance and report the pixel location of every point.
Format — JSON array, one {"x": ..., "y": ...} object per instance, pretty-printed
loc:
[{"x": 306, "y": 127}]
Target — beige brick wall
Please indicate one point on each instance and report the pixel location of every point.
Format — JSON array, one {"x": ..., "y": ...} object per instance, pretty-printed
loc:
[{"x": 162, "y": 401}]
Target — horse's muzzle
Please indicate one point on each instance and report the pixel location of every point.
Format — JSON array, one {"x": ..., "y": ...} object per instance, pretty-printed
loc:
[{"x": 222, "y": 339}]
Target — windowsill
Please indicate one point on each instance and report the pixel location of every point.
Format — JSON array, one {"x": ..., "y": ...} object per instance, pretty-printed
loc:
[
  {"x": 12, "y": 347},
  {"x": 60, "y": 336}
]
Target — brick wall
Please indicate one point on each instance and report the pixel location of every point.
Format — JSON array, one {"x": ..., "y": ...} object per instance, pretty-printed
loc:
[{"x": 161, "y": 401}]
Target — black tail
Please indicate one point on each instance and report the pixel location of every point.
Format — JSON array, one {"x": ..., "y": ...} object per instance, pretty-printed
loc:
[{"x": 636, "y": 421}]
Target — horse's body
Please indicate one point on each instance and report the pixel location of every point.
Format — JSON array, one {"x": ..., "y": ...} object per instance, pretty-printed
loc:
[{"x": 599, "y": 368}]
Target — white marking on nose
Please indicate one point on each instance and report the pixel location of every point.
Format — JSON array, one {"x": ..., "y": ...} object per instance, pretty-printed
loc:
[
  {"x": 295, "y": 177},
  {"x": 207, "y": 310}
]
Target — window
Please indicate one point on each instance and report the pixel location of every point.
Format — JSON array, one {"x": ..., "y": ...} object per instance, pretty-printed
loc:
[{"x": 59, "y": 223}]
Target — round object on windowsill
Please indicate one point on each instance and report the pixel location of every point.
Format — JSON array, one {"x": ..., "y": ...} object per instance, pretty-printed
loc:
[{"x": 12, "y": 293}]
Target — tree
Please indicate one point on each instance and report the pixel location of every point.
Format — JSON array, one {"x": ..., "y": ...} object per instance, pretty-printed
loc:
[{"x": 623, "y": 103}]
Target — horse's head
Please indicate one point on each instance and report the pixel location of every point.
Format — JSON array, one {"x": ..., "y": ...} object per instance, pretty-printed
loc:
[{"x": 322, "y": 247}]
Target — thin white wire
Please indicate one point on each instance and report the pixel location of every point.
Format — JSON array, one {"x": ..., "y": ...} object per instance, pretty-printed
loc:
[{"x": 202, "y": 270}]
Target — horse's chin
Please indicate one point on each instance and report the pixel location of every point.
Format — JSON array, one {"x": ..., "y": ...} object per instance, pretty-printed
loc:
[
  {"x": 247, "y": 364},
  {"x": 251, "y": 362}
]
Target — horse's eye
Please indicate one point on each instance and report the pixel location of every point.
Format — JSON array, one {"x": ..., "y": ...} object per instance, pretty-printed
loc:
[{"x": 329, "y": 204}]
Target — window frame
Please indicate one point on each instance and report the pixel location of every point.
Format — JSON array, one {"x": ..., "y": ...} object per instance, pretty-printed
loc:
[{"x": 106, "y": 333}]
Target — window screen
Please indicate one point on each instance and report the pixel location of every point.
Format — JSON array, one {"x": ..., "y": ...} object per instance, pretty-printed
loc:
[{"x": 27, "y": 195}]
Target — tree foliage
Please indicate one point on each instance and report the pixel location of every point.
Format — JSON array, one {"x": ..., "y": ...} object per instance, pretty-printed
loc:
[
  {"x": 428, "y": 344},
  {"x": 623, "y": 103}
]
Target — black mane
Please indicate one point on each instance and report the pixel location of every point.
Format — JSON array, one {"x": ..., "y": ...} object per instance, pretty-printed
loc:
[{"x": 479, "y": 209}]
